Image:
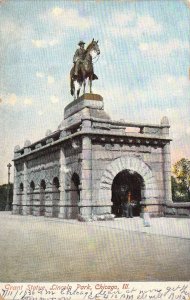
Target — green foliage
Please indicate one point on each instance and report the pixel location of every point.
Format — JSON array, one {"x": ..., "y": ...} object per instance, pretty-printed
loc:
[
  {"x": 3, "y": 195},
  {"x": 181, "y": 181}
]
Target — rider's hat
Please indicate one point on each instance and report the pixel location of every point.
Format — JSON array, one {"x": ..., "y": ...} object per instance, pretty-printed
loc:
[{"x": 81, "y": 43}]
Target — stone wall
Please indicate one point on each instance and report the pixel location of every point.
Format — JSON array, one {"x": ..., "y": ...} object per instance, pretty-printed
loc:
[
  {"x": 72, "y": 168},
  {"x": 177, "y": 209},
  {"x": 104, "y": 154},
  {"x": 35, "y": 170}
]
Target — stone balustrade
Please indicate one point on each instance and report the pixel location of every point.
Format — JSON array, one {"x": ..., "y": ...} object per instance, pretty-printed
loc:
[{"x": 146, "y": 132}]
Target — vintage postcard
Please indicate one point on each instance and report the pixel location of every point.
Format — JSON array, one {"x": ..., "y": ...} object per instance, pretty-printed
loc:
[{"x": 95, "y": 139}]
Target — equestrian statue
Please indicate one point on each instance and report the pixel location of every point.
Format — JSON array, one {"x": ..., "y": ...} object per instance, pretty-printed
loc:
[{"x": 83, "y": 67}]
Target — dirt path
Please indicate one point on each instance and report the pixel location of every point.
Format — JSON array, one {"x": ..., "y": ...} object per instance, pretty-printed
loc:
[{"x": 37, "y": 249}]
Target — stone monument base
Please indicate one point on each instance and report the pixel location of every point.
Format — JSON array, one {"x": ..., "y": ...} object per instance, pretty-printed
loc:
[{"x": 85, "y": 169}]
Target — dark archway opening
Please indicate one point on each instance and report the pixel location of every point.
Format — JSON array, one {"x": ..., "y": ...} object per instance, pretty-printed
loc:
[
  {"x": 123, "y": 183},
  {"x": 55, "y": 197},
  {"x": 75, "y": 195},
  {"x": 20, "y": 195},
  {"x": 32, "y": 188},
  {"x": 42, "y": 197}
]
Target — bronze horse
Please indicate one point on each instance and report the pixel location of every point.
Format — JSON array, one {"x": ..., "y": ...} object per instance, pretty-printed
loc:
[{"x": 85, "y": 71}]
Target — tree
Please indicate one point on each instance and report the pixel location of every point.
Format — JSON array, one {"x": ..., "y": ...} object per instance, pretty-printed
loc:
[
  {"x": 181, "y": 180},
  {"x": 3, "y": 195},
  {"x": 174, "y": 189}
]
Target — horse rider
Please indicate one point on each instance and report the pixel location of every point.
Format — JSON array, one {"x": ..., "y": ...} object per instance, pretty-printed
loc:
[{"x": 79, "y": 57}]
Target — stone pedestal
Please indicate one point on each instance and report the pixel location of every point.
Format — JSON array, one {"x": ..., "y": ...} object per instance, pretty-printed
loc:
[
  {"x": 88, "y": 105},
  {"x": 90, "y": 101}
]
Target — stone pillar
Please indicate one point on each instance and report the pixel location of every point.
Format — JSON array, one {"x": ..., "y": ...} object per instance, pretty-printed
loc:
[
  {"x": 166, "y": 161},
  {"x": 36, "y": 202},
  {"x": 28, "y": 201},
  {"x": 15, "y": 209},
  {"x": 25, "y": 185},
  {"x": 167, "y": 173},
  {"x": 48, "y": 202},
  {"x": 62, "y": 202},
  {"x": 85, "y": 204},
  {"x": 86, "y": 177}
]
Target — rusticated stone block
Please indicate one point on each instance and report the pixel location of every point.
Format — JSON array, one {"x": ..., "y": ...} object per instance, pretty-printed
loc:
[
  {"x": 86, "y": 164},
  {"x": 86, "y": 154},
  {"x": 170, "y": 211},
  {"x": 183, "y": 212},
  {"x": 86, "y": 194},
  {"x": 86, "y": 184},
  {"x": 86, "y": 175},
  {"x": 104, "y": 217},
  {"x": 36, "y": 211},
  {"x": 82, "y": 218},
  {"x": 103, "y": 210},
  {"x": 99, "y": 165},
  {"x": 85, "y": 211},
  {"x": 96, "y": 174},
  {"x": 15, "y": 210}
]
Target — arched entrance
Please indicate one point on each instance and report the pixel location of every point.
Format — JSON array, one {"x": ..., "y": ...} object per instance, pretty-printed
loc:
[
  {"x": 42, "y": 197},
  {"x": 150, "y": 192},
  {"x": 75, "y": 195},
  {"x": 32, "y": 188},
  {"x": 20, "y": 195},
  {"x": 124, "y": 182},
  {"x": 55, "y": 197}
]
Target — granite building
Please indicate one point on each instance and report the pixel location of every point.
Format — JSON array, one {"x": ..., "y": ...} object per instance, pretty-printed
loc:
[{"x": 85, "y": 168}]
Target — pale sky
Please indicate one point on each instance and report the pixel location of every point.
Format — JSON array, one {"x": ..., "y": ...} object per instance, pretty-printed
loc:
[{"x": 143, "y": 67}]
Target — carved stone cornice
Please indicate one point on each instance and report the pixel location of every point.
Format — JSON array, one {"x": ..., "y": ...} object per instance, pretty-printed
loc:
[
  {"x": 128, "y": 137},
  {"x": 133, "y": 140}
]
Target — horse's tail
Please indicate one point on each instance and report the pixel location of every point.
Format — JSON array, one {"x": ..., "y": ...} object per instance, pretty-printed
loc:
[{"x": 72, "y": 86}]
